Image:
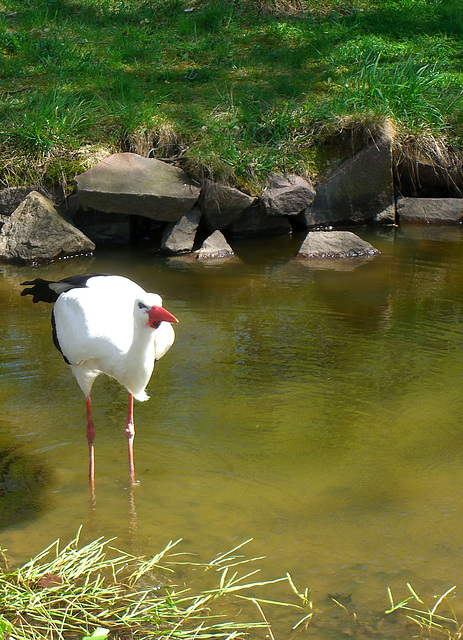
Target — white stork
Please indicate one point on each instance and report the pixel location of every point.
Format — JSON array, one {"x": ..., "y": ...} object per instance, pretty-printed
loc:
[{"x": 107, "y": 324}]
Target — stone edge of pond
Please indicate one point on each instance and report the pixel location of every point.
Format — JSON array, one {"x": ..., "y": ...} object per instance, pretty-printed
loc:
[{"x": 127, "y": 197}]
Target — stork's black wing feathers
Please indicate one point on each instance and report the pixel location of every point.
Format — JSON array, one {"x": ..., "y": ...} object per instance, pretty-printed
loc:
[
  {"x": 55, "y": 337},
  {"x": 49, "y": 290},
  {"x": 81, "y": 280}
]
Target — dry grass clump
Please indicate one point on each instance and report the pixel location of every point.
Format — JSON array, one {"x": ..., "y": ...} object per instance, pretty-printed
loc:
[
  {"x": 156, "y": 142},
  {"x": 432, "y": 153}
]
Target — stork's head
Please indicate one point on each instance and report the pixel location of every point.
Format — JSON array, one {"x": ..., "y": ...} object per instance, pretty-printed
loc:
[{"x": 149, "y": 311}]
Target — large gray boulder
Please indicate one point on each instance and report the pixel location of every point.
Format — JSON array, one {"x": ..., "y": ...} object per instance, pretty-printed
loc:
[
  {"x": 179, "y": 237},
  {"x": 36, "y": 232},
  {"x": 357, "y": 191},
  {"x": 335, "y": 244},
  {"x": 430, "y": 210},
  {"x": 214, "y": 247},
  {"x": 255, "y": 223},
  {"x": 129, "y": 183},
  {"x": 287, "y": 196},
  {"x": 222, "y": 205}
]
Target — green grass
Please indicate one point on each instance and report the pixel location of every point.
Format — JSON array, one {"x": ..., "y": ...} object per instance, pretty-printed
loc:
[
  {"x": 94, "y": 591},
  {"x": 236, "y": 88},
  {"x": 436, "y": 621}
]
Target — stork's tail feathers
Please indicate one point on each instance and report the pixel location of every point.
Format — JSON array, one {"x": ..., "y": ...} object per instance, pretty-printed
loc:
[
  {"x": 142, "y": 396},
  {"x": 49, "y": 290}
]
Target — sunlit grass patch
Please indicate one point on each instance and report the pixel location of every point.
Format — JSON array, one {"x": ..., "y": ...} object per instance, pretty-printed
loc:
[
  {"x": 248, "y": 88},
  {"x": 416, "y": 95},
  {"x": 47, "y": 122}
]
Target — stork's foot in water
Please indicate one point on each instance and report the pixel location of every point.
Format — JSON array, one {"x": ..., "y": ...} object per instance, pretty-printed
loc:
[
  {"x": 130, "y": 434},
  {"x": 91, "y": 447}
]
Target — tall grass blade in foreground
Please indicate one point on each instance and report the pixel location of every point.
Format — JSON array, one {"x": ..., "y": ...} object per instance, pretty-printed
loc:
[
  {"x": 95, "y": 591},
  {"x": 427, "y": 618}
]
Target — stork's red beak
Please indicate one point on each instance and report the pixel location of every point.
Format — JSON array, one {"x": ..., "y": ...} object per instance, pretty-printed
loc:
[{"x": 157, "y": 315}]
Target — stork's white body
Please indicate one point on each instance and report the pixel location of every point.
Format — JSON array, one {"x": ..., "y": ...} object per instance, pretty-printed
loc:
[
  {"x": 107, "y": 324},
  {"x": 100, "y": 329}
]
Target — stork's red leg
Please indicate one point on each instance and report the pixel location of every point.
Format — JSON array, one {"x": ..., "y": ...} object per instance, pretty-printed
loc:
[
  {"x": 91, "y": 448},
  {"x": 130, "y": 434}
]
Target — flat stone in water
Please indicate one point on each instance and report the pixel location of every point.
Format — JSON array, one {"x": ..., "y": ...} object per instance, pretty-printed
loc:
[
  {"x": 335, "y": 244},
  {"x": 430, "y": 210},
  {"x": 215, "y": 246}
]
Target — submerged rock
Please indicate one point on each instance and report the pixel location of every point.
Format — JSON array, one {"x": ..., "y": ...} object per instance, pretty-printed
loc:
[
  {"x": 129, "y": 183},
  {"x": 335, "y": 244},
  {"x": 36, "y": 232},
  {"x": 215, "y": 246},
  {"x": 23, "y": 482}
]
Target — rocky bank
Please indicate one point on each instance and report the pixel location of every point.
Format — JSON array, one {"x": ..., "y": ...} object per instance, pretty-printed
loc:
[{"x": 128, "y": 197}]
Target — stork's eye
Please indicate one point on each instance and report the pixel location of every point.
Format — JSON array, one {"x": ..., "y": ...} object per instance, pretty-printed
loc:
[{"x": 141, "y": 305}]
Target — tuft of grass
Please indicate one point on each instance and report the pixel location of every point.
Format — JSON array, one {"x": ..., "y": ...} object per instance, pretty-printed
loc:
[
  {"x": 96, "y": 591},
  {"x": 439, "y": 619},
  {"x": 419, "y": 97},
  {"x": 48, "y": 123}
]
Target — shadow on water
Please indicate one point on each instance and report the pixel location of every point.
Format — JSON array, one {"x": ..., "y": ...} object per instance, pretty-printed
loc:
[{"x": 24, "y": 479}]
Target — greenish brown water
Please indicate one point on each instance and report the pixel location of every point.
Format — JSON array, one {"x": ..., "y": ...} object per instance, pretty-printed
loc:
[{"x": 315, "y": 408}]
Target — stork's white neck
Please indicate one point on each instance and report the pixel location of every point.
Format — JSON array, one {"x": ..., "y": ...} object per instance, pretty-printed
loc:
[{"x": 139, "y": 362}]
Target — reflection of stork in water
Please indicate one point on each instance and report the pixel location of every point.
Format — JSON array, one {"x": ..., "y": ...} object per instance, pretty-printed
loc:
[{"x": 107, "y": 324}]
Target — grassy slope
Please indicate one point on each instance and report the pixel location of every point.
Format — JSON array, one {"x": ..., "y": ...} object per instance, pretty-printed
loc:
[{"x": 238, "y": 89}]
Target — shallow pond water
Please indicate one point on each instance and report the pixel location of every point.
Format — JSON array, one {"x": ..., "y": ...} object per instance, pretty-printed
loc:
[{"x": 313, "y": 407}]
